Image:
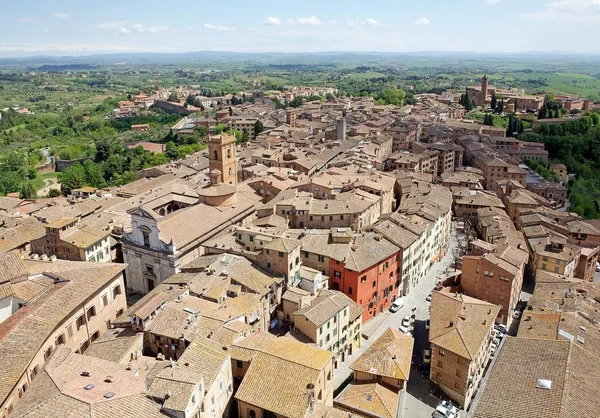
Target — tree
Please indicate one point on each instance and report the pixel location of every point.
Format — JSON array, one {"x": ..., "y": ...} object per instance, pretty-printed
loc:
[
  {"x": 71, "y": 177},
  {"x": 104, "y": 149},
  {"x": 173, "y": 97},
  {"x": 595, "y": 118},
  {"x": 488, "y": 119},
  {"x": 171, "y": 151},
  {"x": 189, "y": 100},
  {"x": 468, "y": 103},
  {"x": 27, "y": 191},
  {"x": 258, "y": 128},
  {"x": 393, "y": 96},
  {"x": 245, "y": 136},
  {"x": 53, "y": 193},
  {"x": 297, "y": 102},
  {"x": 501, "y": 106},
  {"x": 494, "y": 102},
  {"x": 93, "y": 174}
]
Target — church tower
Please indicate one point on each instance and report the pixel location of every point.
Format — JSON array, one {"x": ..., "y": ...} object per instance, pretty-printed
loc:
[
  {"x": 484, "y": 90},
  {"x": 222, "y": 157}
]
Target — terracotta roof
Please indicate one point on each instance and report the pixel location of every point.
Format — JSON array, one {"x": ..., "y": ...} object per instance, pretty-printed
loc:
[
  {"x": 511, "y": 388},
  {"x": 11, "y": 267},
  {"x": 26, "y": 290},
  {"x": 268, "y": 384},
  {"x": 460, "y": 324},
  {"x": 175, "y": 387},
  {"x": 372, "y": 398},
  {"x": 368, "y": 250},
  {"x": 23, "y": 334},
  {"x": 327, "y": 305},
  {"x": 390, "y": 355},
  {"x": 151, "y": 304},
  {"x": 205, "y": 357}
]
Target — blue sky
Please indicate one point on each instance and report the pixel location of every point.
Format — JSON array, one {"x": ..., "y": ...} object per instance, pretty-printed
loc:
[{"x": 78, "y": 27}]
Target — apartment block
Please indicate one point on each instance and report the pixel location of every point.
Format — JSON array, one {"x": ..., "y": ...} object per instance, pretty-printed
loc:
[{"x": 460, "y": 338}]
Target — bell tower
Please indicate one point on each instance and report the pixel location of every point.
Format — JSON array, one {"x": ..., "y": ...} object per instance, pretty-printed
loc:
[
  {"x": 484, "y": 90},
  {"x": 222, "y": 157}
]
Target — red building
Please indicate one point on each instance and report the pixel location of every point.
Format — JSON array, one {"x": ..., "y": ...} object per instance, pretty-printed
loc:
[{"x": 370, "y": 273}]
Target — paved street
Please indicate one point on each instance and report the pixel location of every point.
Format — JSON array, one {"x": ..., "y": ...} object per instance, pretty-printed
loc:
[{"x": 419, "y": 402}]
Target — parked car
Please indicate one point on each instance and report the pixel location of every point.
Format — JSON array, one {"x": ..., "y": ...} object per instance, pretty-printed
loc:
[
  {"x": 501, "y": 327},
  {"x": 396, "y": 305},
  {"x": 517, "y": 314},
  {"x": 426, "y": 356},
  {"x": 428, "y": 298},
  {"x": 427, "y": 324},
  {"x": 597, "y": 266},
  {"x": 405, "y": 330},
  {"x": 406, "y": 321},
  {"x": 445, "y": 410},
  {"x": 493, "y": 350}
]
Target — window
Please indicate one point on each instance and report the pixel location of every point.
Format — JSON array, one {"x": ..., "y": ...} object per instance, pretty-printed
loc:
[
  {"x": 269, "y": 414},
  {"x": 104, "y": 300},
  {"x": 70, "y": 330},
  {"x": 60, "y": 339},
  {"x": 116, "y": 291},
  {"x": 251, "y": 238},
  {"x": 146, "y": 237},
  {"x": 251, "y": 413},
  {"x": 91, "y": 312},
  {"x": 458, "y": 373},
  {"x": 363, "y": 279},
  {"x": 268, "y": 266},
  {"x": 120, "y": 312},
  {"x": 280, "y": 254},
  {"x": 441, "y": 352},
  {"x": 349, "y": 290},
  {"x": 95, "y": 335},
  {"x": 80, "y": 321},
  {"x": 321, "y": 259},
  {"x": 337, "y": 274},
  {"x": 334, "y": 332}
]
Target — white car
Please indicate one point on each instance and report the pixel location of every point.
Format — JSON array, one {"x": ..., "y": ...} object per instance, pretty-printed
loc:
[
  {"x": 426, "y": 356},
  {"x": 445, "y": 410},
  {"x": 405, "y": 330},
  {"x": 396, "y": 305},
  {"x": 517, "y": 314},
  {"x": 406, "y": 321},
  {"x": 501, "y": 327},
  {"x": 597, "y": 266},
  {"x": 428, "y": 298}
]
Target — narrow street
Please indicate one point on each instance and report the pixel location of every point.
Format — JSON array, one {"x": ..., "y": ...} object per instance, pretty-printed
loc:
[{"x": 419, "y": 402}]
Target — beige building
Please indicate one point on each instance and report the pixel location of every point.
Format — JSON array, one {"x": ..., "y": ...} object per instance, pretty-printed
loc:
[
  {"x": 496, "y": 277},
  {"x": 553, "y": 256},
  {"x": 333, "y": 322},
  {"x": 460, "y": 337},
  {"x": 65, "y": 303},
  {"x": 388, "y": 360},
  {"x": 66, "y": 240},
  {"x": 299, "y": 375}
]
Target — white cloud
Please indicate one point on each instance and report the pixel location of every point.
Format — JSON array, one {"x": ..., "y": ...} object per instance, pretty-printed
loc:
[
  {"x": 313, "y": 20},
  {"x": 493, "y": 1},
  {"x": 138, "y": 27},
  {"x": 272, "y": 21},
  {"x": 422, "y": 22},
  {"x": 362, "y": 22},
  {"x": 218, "y": 27},
  {"x": 119, "y": 27},
  {"x": 62, "y": 16},
  {"x": 290, "y": 22},
  {"x": 568, "y": 11}
]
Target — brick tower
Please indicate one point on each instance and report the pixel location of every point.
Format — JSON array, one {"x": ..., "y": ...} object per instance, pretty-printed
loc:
[
  {"x": 222, "y": 157},
  {"x": 484, "y": 90}
]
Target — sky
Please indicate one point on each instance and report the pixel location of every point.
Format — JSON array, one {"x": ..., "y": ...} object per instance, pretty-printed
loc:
[{"x": 81, "y": 27}]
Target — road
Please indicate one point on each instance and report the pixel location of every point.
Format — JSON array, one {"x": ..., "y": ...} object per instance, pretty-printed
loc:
[
  {"x": 48, "y": 184},
  {"x": 419, "y": 402}
]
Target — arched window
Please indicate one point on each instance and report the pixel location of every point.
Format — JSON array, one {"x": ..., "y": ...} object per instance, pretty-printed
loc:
[
  {"x": 251, "y": 413},
  {"x": 216, "y": 155},
  {"x": 228, "y": 152}
]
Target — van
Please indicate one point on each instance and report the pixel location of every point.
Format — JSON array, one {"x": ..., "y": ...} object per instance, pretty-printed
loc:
[{"x": 396, "y": 305}]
